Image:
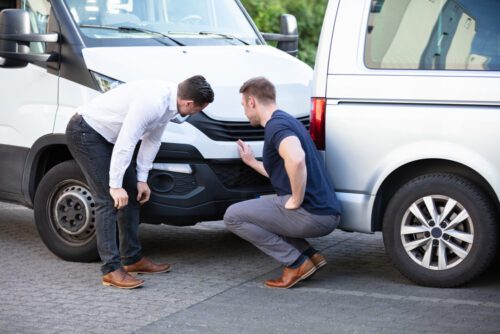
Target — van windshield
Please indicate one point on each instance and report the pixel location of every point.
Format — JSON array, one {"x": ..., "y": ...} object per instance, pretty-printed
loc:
[{"x": 168, "y": 22}]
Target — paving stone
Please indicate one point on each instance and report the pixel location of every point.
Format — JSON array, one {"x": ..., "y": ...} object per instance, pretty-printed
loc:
[{"x": 216, "y": 287}]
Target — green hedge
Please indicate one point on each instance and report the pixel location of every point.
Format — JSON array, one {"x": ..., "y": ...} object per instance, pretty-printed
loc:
[{"x": 309, "y": 14}]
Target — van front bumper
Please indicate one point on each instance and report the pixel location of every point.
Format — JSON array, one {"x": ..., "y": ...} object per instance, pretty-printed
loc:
[{"x": 201, "y": 194}]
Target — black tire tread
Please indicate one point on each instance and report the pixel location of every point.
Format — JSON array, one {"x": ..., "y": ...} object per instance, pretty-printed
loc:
[{"x": 86, "y": 253}]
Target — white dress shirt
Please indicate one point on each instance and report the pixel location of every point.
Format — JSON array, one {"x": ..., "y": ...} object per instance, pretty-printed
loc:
[{"x": 128, "y": 113}]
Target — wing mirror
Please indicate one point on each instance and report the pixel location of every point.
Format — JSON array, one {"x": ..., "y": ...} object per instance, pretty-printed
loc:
[
  {"x": 288, "y": 38},
  {"x": 15, "y": 38}
]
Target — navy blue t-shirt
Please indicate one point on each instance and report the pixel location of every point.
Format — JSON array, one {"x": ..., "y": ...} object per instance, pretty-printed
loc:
[{"x": 319, "y": 198}]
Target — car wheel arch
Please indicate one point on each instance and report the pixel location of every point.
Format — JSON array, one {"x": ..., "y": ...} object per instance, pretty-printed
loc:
[
  {"x": 47, "y": 152},
  {"x": 411, "y": 170}
]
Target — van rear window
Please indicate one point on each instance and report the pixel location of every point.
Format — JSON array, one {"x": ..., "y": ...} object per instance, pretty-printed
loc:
[{"x": 434, "y": 35}]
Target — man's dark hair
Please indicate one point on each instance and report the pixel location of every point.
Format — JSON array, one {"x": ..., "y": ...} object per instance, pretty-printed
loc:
[
  {"x": 261, "y": 88},
  {"x": 197, "y": 89}
]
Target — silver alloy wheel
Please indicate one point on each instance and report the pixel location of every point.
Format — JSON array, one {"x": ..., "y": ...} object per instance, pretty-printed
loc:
[
  {"x": 437, "y": 232},
  {"x": 73, "y": 210}
]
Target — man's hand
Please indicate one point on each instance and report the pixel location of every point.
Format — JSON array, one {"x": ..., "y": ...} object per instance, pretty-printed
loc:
[
  {"x": 248, "y": 157},
  {"x": 120, "y": 197},
  {"x": 143, "y": 192},
  {"x": 246, "y": 153},
  {"x": 292, "y": 203}
]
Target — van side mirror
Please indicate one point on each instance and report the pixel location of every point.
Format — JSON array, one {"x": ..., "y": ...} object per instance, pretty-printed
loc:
[
  {"x": 288, "y": 38},
  {"x": 15, "y": 38}
]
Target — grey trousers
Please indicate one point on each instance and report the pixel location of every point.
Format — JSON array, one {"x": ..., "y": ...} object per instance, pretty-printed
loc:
[{"x": 277, "y": 231}]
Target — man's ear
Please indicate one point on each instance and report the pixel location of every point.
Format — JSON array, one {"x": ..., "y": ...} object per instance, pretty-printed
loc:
[{"x": 251, "y": 101}]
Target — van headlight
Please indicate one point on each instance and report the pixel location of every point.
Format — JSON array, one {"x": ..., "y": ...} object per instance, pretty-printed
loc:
[{"x": 105, "y": 83}]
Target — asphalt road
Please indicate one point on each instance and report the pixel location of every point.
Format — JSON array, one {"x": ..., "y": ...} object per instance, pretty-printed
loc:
[{"x": 216, "y": 287}]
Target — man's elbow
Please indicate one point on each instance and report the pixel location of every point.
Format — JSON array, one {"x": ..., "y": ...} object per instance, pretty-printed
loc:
[{"x": 298, "y": 160}]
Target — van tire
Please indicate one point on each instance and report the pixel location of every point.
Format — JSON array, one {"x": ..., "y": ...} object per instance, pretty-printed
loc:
[
  {"x": 441, "y": 265},
  {"x": 64, "y": 214}
]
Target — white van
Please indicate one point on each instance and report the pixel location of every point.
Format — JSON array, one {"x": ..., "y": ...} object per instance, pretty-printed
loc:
[
  {"x": 56, "y": 55},
  {"x": 406, "y": 106}
]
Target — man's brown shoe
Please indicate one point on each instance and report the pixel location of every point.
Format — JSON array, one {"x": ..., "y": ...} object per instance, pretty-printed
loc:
[
  {"x": 290, "y": 276},
  {"x": 146, "y": 266},
  {"x": 318, "y": 260},
  {"x": 121, "y": 279}
]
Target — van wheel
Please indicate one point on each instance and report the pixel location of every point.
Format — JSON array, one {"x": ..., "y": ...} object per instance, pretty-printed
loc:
[
  {"x": 64, "y": 213},
  {"x": 440, "y": 230}
]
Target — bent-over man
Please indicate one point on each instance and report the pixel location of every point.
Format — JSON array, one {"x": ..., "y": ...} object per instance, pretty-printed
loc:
[{"x": 102, "y": 137}]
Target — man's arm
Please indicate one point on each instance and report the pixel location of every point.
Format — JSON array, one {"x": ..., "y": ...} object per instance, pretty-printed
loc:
[
  {"x": 248, "y": 157},
  {"x": 138, "y": 117},
  {"x": 292, "y": 153},
  {"x": 150, "y": 145},
  {"x": 140, "y": 113},
  {"x": 151, "y": 142}
]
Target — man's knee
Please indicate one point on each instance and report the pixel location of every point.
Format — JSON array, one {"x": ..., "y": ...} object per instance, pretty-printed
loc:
[{"x": 232, "y": 217}]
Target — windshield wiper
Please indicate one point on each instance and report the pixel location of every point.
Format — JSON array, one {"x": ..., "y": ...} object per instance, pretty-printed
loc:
[
  {"x": 133, "y": 29},
  {"x": 209, "y": 33},
  {"x": 227, "y": 36}
]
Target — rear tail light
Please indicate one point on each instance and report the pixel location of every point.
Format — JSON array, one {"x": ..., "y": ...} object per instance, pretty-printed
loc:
[{"x": 317, "y": 126}]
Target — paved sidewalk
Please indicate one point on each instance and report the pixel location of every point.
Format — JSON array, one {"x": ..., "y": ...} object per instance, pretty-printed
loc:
[{"x": 216, "y": 287}]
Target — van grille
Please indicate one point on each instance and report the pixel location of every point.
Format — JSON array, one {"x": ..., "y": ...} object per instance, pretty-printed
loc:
[
  {"x": 237, "y": 175},
  {"x": 231, "y": 131}
]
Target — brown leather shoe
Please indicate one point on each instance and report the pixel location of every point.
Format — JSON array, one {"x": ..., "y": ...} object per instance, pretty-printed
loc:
[
  {"x": 318, "y": 260},
  {"x": 121, "y": 279},
  {"x": 290, "y": 276},
  {"x": 146, "y": 266}
]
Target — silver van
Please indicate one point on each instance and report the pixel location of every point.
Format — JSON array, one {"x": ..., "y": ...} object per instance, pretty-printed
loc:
[{"x": 406, "y": 107}]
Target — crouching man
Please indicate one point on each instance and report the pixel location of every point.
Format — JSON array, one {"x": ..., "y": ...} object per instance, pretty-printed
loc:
[{"x": 306, "y": 205}]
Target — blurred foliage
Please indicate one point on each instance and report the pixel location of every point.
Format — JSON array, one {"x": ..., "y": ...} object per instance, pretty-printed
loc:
[{"x": 309, "y": 14}]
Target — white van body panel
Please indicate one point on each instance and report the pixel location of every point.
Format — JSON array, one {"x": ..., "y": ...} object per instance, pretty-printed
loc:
[
  {"x": 324, "y": 46},
  {"x": 26, "y": 117},
  {"x": 413, "y": 88},
  {"x": 183, "y": 133},
  {"x": 410, "y": 134},
  {"x": 225, "y": 67},
  {"x": 356, "y": 211},
  {"x": 186, "y": 133},
  {"x": 73, "y": 95},
  {"x": 229, "y": 67}
]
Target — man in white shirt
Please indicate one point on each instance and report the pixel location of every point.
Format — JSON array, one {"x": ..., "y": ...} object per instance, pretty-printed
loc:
[{"x": 102, "y": 137}]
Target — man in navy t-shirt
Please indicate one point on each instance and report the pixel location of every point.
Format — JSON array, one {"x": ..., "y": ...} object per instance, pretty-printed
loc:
[{"x": 306, "y": 205}]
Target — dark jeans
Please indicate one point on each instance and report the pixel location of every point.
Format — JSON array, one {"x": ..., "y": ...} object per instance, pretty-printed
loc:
[{"x": 93, "y": 154}]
